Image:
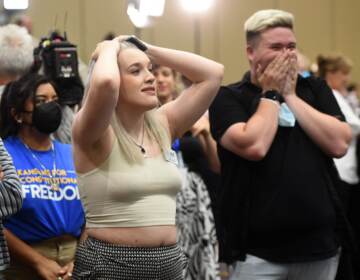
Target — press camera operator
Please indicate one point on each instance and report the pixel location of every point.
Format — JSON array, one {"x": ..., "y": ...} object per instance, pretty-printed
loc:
[{"x": 57, "y": 58}]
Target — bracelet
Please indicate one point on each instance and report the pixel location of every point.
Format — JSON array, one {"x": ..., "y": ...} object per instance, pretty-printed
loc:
[{"x": 136, "y": 42}]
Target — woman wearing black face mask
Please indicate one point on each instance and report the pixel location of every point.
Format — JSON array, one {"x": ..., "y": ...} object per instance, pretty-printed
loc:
[{"x": 42, "y": 237}]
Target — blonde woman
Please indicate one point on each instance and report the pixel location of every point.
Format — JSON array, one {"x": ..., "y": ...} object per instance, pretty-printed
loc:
[{"x": 127, "y": 172}]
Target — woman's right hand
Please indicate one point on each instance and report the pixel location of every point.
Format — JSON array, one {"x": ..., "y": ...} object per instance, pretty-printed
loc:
[
  {"x": 50, "y": 270},
  {"x": 121, "y": 38},
  {"x": 202, "y": 126},
  {"x": 112, "y": 44}
]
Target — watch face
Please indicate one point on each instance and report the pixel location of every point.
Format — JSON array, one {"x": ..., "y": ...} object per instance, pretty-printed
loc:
[{"x": 274, "y": 95}]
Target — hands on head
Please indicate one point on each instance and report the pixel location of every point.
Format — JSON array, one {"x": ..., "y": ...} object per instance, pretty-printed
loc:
[
  {"x": 114, "y": 43},
  {"x": 280, "y": 74},
  {"x": 100, "y": 47}
]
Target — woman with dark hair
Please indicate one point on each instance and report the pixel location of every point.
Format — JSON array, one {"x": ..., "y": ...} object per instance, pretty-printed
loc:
[{"x": 42, "y": 236}]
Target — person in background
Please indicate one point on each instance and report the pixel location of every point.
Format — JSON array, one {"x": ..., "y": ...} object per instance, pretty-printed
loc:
[
  {"x": 303, "y": 65},
  {"x": 168, "y": 90},
  {"x": 16, "y": 56},
  {"x": 194, "y": 218},
  {"x": 166, "y": 81},
  {"x": 336, "y": 70},
  {"x": 127, "y": 172},
  {"x": 10, "y": 201},
  {"x": 353, "y": 97},
  {"x": 23, "y": 21},
  {"x": 42, "y": 236},
  {"x": 109, "y": 36}
]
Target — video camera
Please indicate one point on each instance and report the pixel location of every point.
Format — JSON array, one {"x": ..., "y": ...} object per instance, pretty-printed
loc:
[{"x": 60, "y": 62}]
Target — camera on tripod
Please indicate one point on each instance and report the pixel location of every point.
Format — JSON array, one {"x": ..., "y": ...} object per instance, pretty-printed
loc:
[{"x": 59, "y": 60}]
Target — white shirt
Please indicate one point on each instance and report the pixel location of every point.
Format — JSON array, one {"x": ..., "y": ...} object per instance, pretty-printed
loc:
[{"x": 347, "y": 165}]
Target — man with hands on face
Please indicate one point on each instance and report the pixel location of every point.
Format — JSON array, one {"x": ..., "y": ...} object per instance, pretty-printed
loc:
[{"x": 277, "y": 134}]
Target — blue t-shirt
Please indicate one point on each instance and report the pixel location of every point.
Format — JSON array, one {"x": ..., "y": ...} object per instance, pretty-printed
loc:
[
  {"x": 46, "y": 213},
  {"x": 176, "y": 145}
]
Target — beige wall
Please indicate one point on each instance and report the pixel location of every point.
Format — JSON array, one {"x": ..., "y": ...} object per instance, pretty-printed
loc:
[{"x": 321, "y": 26}]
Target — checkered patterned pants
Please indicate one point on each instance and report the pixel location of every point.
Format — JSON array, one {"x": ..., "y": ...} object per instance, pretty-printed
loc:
[{"x": 100, "y": 260}]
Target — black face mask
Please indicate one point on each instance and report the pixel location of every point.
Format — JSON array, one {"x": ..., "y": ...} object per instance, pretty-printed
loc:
[{"x": 47, "y": 117}]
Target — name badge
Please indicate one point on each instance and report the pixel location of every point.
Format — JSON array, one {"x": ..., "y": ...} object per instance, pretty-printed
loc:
[{"x": 171, "y": 156}]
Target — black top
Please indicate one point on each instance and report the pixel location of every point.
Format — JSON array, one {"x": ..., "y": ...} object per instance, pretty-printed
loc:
[
  {"x": 196, "y": 161},
  {"x": 280, "y": 208}
]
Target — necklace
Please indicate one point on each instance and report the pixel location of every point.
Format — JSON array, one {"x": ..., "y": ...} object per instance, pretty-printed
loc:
[
  {"x": 54, "y": 184},
  {"x": 141, "y": 146}
]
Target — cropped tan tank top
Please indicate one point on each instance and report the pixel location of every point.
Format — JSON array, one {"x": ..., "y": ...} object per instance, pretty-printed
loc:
[{"x": 119, "y": 194}]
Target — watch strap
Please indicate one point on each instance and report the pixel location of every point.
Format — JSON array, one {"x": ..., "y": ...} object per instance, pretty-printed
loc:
[
  {"x": 136, "y": 42},
  {"x": 273, "y": 95}
]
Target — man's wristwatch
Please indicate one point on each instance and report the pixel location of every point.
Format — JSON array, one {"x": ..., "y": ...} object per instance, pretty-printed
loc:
[
  {"x": 273, "y": 95},
  {"x": 136, "y": 42}
]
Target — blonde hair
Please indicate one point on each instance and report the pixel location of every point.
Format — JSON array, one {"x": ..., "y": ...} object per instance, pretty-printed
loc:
[
  {"x": 333, "y": 63},
  {"x": 265, "y": 19},
  {"x": 152, "y": 127}
]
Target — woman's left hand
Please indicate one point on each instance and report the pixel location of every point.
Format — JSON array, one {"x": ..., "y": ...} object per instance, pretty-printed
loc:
[{"x": 68, "y": 270}]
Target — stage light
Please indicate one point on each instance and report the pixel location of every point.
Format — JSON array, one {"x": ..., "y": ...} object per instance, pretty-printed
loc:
[
  {"x": 140, "y": 12},
  {"x": 140, "y": 20},
  {"x": 16, "y": 4},
  {"x": 197, "y": 6},
  {"x": 154, "y": 8}
]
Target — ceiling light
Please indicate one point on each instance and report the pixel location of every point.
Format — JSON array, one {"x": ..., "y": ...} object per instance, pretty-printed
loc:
[
  {"x": 139, "y": 19},
  {"x": 154, "y": 8},
  {"x": 16, "y": 4},
  {"x": 197, "y": 6}
]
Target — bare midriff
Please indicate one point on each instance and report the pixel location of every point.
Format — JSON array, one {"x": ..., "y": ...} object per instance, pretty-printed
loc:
[{"x": 150, "y": 236}]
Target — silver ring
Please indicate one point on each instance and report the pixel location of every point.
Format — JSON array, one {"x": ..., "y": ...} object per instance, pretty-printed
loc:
[{"x": 59, "y": 278}]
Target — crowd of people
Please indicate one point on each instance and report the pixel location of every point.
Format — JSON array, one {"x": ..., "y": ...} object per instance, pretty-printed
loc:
[{"x": 159, "y": 172}]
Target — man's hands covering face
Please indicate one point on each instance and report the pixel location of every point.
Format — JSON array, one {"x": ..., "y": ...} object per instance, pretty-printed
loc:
[
  {"x": 280, "y": 74},
  {"x": 291, "y": 77}
]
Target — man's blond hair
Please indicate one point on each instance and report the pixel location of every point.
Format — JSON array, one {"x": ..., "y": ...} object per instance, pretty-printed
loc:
[{"x": 265, "y": 19}]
